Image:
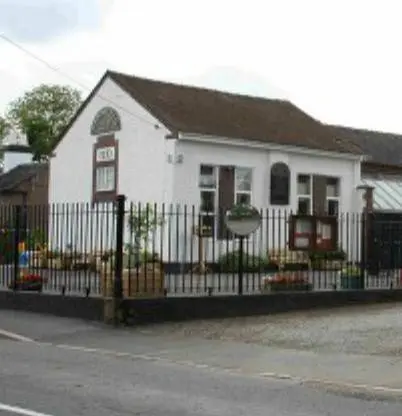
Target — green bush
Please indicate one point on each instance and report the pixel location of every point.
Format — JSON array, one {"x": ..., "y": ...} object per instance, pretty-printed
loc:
[
  {"x": 338, "y": 254},
  {"x": 351, "y": 271},
  {"x": 132, "y": 259},
  {"x": 229, "y": 263}
]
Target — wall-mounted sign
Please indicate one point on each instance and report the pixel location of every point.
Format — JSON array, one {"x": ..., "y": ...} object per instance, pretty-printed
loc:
[
  {"x": 105, "y": 154},
  {"x": 309, "y": 232},
  {"x": 303, "y": 233}
]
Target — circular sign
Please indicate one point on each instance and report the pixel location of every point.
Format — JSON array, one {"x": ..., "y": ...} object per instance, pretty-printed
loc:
[{"x": 243, "y": 219}]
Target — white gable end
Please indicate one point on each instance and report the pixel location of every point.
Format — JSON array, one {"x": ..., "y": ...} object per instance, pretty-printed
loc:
[{"x": 143, "y": 173}]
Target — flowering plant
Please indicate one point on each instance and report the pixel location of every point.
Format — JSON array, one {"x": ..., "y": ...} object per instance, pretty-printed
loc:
[
  {"x": 31, "y": 278},
  {"x": 28, "y": 282},
  {"x": 286, "y": 280}
]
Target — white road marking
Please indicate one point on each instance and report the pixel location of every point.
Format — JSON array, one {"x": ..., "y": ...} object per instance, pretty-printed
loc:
[
  {"x": 20, "y": 411},
  {"x": 233, "y": 371},
  {"x": 14, "y": 336},
  {"x": 367, "y": 387}
]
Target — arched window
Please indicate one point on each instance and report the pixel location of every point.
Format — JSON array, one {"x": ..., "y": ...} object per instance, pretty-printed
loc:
[
  {"x": 280, "y": 184},
  {"x": 106, "y": 120}
]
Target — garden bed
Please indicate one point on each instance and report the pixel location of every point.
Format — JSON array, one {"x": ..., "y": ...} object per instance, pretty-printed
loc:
[
  {"x": 286, "y": 281},
  {"x": 29, "y": 282}
]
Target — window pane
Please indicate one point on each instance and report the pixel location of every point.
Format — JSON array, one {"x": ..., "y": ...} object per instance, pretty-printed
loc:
[
  {"x": 243, "y": 198},
  {"x": 303, "y": 185},
  {"x": 106, "y": 154},
  {"x": 207, "y": 201},
  {"x": 332, "y": 187},
  {"x": 243, "y": 179},
  {"x": 207, "y": 176},
  {"x": 303, "y": 226},
  {"x": 280, "y": 184},
  {"x": 303, "y": 206},
  {"x": 333, "y": 207},
  {"x": 208, "y": 221},
  {"x": 105, "y": 178}
]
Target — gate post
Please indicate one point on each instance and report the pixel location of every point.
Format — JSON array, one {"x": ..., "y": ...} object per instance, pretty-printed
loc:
[
  {"x": 118, "y": 265},
  {"x": 16, "y": 244},
  {"x": 112, "y": 278}
]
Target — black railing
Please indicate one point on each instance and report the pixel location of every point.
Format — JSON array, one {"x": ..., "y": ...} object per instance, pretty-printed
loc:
[{"x": 127, "y": 250}]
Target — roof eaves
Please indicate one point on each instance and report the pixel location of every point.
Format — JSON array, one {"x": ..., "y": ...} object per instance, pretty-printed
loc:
[{"x": 196, "y": 137}]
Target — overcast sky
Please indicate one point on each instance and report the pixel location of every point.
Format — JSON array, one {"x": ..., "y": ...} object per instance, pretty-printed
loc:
[{"x": 338, "y": 60}]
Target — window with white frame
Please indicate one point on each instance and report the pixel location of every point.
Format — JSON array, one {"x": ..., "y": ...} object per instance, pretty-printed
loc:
[
  {"x": 208, "y": 184},
  {"x": 304, "y": 194},
  {"x": 209, "y": 191},
  {"x": 332, "y": 196},
  {"x": 243, "y": 183},
  {"x": 105, "y": 178}
]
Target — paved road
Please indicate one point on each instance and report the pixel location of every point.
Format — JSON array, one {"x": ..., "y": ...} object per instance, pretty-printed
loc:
[{"x": 45, "y": 379}]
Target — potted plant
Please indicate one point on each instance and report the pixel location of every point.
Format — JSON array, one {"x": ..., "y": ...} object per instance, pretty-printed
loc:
[
  {"x": 352, "y": 277},
  {"x": 142, "y": 223},
  {"x": 142, "y": 274}
]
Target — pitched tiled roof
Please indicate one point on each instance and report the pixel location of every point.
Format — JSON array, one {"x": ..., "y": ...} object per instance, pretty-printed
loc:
[
  {"x": 209, "y": 112},
  {"x": 382, "y": 148},
  {"x": 10, "y": 180}
]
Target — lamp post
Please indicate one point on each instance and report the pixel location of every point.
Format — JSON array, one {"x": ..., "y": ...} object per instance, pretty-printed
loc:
[{"x": 242, "y": 220}]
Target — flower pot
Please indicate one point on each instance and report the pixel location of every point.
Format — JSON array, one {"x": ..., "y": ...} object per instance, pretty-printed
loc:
[
  {"x": 352, "y": 282},
  {"x": 146, "y": 281}
]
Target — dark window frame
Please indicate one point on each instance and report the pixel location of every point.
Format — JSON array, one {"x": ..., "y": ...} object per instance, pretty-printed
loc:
[
  {"x": 106, "y": 120},
  {"x": 105, "y": 196},
  {"x": 280, "y": 176}
]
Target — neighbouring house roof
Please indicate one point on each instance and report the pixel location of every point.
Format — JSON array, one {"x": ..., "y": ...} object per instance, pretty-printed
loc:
[
  {"x": 10, "y": 180},
  {"x": 382, "y": 148},
  {"x": 387, "y": 193},
  {"x": 188, "y": 109}
]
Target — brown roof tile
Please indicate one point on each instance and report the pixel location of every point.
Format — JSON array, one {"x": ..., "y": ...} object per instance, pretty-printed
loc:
[
  {"x": 382, "y": 147},
  {"x": 209, "y": 112}
]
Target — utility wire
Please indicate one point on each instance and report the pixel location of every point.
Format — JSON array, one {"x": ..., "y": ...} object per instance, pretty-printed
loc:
[{"x": 63, "y": 74}]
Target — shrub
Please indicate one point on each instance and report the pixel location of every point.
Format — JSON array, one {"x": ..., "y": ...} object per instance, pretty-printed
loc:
[
  {"x": 338, "y": 254},
  {"x": 131, "y": 260},
  {"x": 351, "y": 271},
  {"x": 229, "y": 262}
]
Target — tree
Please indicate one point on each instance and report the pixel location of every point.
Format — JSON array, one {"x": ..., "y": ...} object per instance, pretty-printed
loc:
[
  {"x": 141, "y": 223},
  {"x": 42, "y": 114},
  {"x": 4, "y": 128}
]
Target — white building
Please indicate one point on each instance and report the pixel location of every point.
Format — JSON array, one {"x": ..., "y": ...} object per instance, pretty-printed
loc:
[{"x": 163, "y": 143}]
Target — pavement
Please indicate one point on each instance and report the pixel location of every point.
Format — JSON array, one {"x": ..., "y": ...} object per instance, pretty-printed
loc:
[{"x": 337, "y": 362}]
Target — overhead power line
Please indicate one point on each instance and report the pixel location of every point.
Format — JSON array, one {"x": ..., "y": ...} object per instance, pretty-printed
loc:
[{"x": 75, "y": 81}]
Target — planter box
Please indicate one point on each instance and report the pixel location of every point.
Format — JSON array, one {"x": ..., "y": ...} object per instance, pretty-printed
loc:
[
  {"x": 27, "y": 286},
  {"x": 289, "y": 287},
  {"x": 352, "y": 282},
  {"x": 327, "y": 264},
  {"x": 145, "y": 282},
  {"x": 292, "y": 287},
  {"x": 295, "y": 267}
]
